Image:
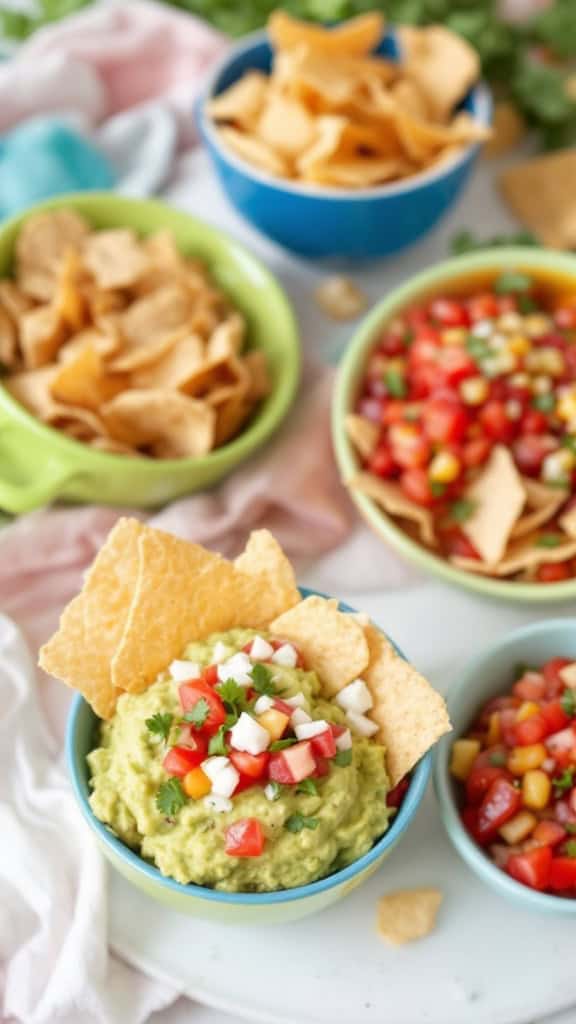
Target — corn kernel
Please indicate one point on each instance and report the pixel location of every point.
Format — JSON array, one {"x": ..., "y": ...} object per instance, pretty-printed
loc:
[
  {"x": 520, "y": 380},
  {"x": 526, "y": 710},
  {"x": 196, "y": 784},
  {"x": 522, "y": 759},
  {"x": 510, "y": 322},
  {"x": 500, "y": 363},
  {"x": 518, "y": 827},
  {"x": 396, "y": 365},
  {"x": 474, "y": 390},
  {"x": 519, "y": 345},
  {"x": 541, "y": 385},
  {"x": 566, "y": 405},
  {"x": 546, "y": 360},
  {"x": 464, "y": 753},
  {"x": 493, "y": 734},
  {"x": 444, "y": 468},
  {"x": 274, "y": 722},
  {"x": 454, "y": 336},
  {"x": 536, "y": 788},
  {"x": 557, "y": 466},
  {"x": 536, "y": 324}
]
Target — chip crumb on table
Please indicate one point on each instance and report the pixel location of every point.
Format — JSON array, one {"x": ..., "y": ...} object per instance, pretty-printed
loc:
[
  {"x": 340, "y": 298},
  {"x": 407, "y": 915}
]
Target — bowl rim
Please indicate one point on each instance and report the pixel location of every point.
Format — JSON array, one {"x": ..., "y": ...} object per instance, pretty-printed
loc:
[
  {"x": 266, "y": 420},
  {"x": 414, "y": 794},
  {"x": 349, "y": 371},
  {"x": 470, "y": 852},
  {"x": 482, "y": 111}
]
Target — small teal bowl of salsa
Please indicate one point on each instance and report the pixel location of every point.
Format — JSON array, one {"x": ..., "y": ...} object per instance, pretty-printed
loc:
[
  {"x": 250, "y": 907},
  {"x": 515, "y": 830}
]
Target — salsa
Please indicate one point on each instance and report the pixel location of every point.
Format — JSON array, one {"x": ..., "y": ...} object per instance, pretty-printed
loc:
[
  {"x": 490, "y": 363},
  {"x": 516, "y": 771}
]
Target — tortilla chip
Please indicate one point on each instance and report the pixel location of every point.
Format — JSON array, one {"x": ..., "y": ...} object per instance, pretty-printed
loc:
[
  {"x": 540, "y": 192},
  {"x": 182, "y": 426},
  {"x": 443, "y": 65},
  {"x": 286, "y": 125},
  {"x": 13, "y": 300},
  {"x": 409, "y": 96},
  {"x": 498, "y": 497},
  {"x": 255, "y": 151},
  {"x": 8, "y": 340},
  {"x": 412, "y": 716},
  {"x": 40, "y": 246},
  {"x": 32, "y": 389},
  {"x": 226, "y": 341},
  {"x": 176, "y": 599},
  {"x": 41, "y": 335},
  {"x": 355, "y": 37},
  {"x": 362, "y": 433},
  {"x": 408, "y": 914},
  {"x": 259, "y": 381},
  {"x": 111, "y": 447},
  {"x": 92, "y": 625},
  {"x": 174, "y": 367},
  {"x": 568, "y": 523},
  {"x": 115, "y": 258},
  {"x": 542, "y": 503},
  {"x": 231, "y": 414},
  {"x": 523, "y": 553},
  {"x": 242, "y": 102},
  {"x": 156, "y": 317},
  {"x": 390, "y": 496},
  {"x": 265, "y": 581},
  {"x": 104, "y": 344},
  {"x": 81, "y": 424},
  {"x": 69, "y": 304},
  {"x": 331, "y": 641},
  {"x": 84, "y": 380}
]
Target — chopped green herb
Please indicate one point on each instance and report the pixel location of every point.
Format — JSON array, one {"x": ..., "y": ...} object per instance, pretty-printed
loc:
[
  {"x": 199, "y": 713},
  {"x": 343, "y": 758},
  {"x": 548, "y": 540},
  {"x": 545, "y": 402},
  {"x": 569, "y": 441},
  {"x": 217, "y": 744},
  {"x": 160, "y": 724},
  {"x": 563, "y": 782},
  {"x": 170, "y": 797},
  {"x": 498, "y": 759},
  {"x": 570, "y": 848},
  {"x": 460, "y": 511},
  {"x": 276, "y": 789},
  {"x": 568, "y": 702},
  {"x": 282, "y": 744},
  {"x": 262, "y": 679},
  {"x": 307, "y": 786},
  {"x": 437, "y": 489},
  {"x": 465, "y": 241},
  {"x": 477, "y": 347},
  {"x": 510, "y": 281},
  {"x": 526, "y": 304},
  {"x": 296, "y": 822},
  {"x": 233, "y": 695},
  {"x": 395, "y": 383}
]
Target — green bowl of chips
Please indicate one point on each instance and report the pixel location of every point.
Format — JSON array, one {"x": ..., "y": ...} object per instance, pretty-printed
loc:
[
  {"x": 40, "y": 461},
  {"x": 388, "y": 510}
]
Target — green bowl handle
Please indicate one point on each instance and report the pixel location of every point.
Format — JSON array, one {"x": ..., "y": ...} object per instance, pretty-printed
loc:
[{"x": 22, "y": 495}]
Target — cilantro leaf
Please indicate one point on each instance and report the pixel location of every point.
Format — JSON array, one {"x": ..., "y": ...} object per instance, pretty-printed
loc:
[
  {"x": 395, "y": 383},
  {"x": 170, "y": 797},
  {"x": 437, "y": 489},
  {"x": 512, "y": 281},
  {"x": 569, "y": 441},
  {"x": 199, "y": 713},
  {"x": 343, "y": 758},
  {"x": 570, "y": 848},
  {"x": 282, "y": 744},
  {"x": 217, "y": 744},
  {"x": 465, "y": 241},
  {"x": 563, "y": 782},
  {"x": 548, "y": 540},
  {"x": 233, "y": 695},
  {"x": 160, "y": 724},
  {"x": 262, "y": 680},
  {"x": 568, "y": 702},
  {"x": 545, "y": 402},
  {"x": 307, "y": 786},
  {"x": 296, "y": 822},
  {"x": 460, "y": 511}
]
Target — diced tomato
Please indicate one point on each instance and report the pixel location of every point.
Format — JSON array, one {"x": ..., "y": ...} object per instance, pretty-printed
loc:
[
  {"x": 508, "y": 726},
  {"x": 533, "y": 422},
  {"x": 531, "y": 730},
  {"x": 423, "y": 380},
  {"x": 244, "y": 838},
  {"x": 499, "y": 804},
  {"x": 252, "y": 765},
  {"x": 444, "y": 420},
  {"x": 456, "y": 364},
  {"x": 553, "y": 572},
  {"x": 398, "y": 792},
  {"x": 488, "y": 766},
  {"x": 416, "y": 485},
  {"x": 199, "y": 689},
  {"x": 322, "y": 767},
  {"x": 555, "y": 685},
  {"x": 293, "y": 764},
  {"x": 324, "y": 744},
  {"x": 483, "y": 306},
  {"x": 210, "y": 675},
  {"x": 549, "y": 833},
  {"x": 456, "y": 543},
  {"x": 449, "y": 312},
  {"x": 563, "y": 813},
  {"x": 532, "y": 867},
  {"x": 507, "y": 303},
  {"x": 393, "y": 411},
  {"x": 476, "y": 451},
  {"x": 425, "y": 348},
  {"x": 281, "y": 705},
  {"x": 190, "y": 737},
  {"x": 408, "y": 445},
  {"x": 531, "y": 686},
  {"x": 530, "y": 450},
  {"x": 382, "y": 462},
  {"x": 565, "y": 317},
  {"x": 181, "y": 760},
  {"x": 554, "y": 715},
  {"x": 563, "y": 742},
  {"x": 394, "y": 343},
  {"x": 496, "y": 422},
  {"x": 417, "y": 318},
  {"x": 562, "y": 874}
]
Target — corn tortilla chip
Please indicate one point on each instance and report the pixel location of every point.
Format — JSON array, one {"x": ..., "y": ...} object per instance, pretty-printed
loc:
[
  {"x": 14, "y": 301},
  {"x": 340, "y": 297},
  {"x": 183, "y": 426},
  {"x": 255, "y": 151},
  {"x": 508, "y": 129},
  {"x": 568, "y": 523},
  {"x": 355, "y": 37},
  {"x": 540, "y": 192},
  {"x": 542, "y": 503},
  {"x": 443, "y": 65},
  {"x": 407, "y": 914},
  {"x": 231, "y": 414},
  {"x": 41, "y": 335},
  {"x": 8, "y": 340},
  {"x": 32, "y": 389},
  {"x": 115, "y": 258},
  {"x": 242, "y": 102},
  {"x": 84, "y": 380},
  {"x": 259, "y": 381},
  {"x": 498, "y": 497},
  {"x": 92, "y": 625},
  {"x": 157, "y": 316},
  {"x": 523, "y": 553},
  {"x": 362, "y": 433},
  {"x": 41, "y": 243},
  {"x": 111, "y": 447},
  {"x": 264, "y": 580},
  {"x": 104, "y": 344},
  {"x": 286, "y": 125},
  {"x": 69, "y": 304},
  {"x": 333, "y": 642},
  {"x": 174, "y": 367},
  {"x": 411, "y": 715},
  {"x": 390, "y": 496}
]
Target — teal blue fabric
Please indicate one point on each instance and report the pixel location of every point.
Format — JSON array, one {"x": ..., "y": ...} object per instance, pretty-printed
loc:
[{"x": 45, "y": 157}]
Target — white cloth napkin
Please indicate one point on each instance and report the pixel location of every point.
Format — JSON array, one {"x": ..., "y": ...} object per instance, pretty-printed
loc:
[{"x": 53, "y": 943}]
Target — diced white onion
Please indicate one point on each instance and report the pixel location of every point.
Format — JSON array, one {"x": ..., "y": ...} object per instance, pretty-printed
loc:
[
  {"x": 261, "y": 650},
  {"x": 270, "y": 791},
  {"x": 482, "y": 328},
  {"x": 309, "y": 729},
  {"x": 297, "y": 701},
  {"x": 212, "y": 766},
  {"x": 355, "y": 697},
  {"x": 285, "y": 655},
  {"x": 238, "y": 668},
  {"x": 249, "y": 735},
  {"x": 360, "y": 724},
  {"x": 344, "y": 740},
  {"x": 225, "y": 781},
  {"x": 263, "y": 704},
  {"x": 219, "y": 804},
  {"x": 181, "y": 671},
  {"x": 220, "y": 653},
  {"x": 299, "y": 716}
]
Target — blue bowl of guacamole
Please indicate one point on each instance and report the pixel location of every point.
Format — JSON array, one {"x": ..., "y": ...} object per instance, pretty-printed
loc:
[{"x": 339, "y": 855}]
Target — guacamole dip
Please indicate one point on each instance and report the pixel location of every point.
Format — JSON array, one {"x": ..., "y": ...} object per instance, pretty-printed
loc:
[{"x": 232, "y": 771}]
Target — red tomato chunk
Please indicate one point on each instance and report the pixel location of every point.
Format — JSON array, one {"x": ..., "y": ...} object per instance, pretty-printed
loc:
[{"x": 244, "y": 838}]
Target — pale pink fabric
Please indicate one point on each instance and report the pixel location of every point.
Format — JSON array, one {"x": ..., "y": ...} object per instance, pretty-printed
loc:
[{"x": 117, "y": 56}]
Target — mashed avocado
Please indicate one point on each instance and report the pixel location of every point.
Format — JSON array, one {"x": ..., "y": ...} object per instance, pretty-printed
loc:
[{"x": 349, "y": 808}]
